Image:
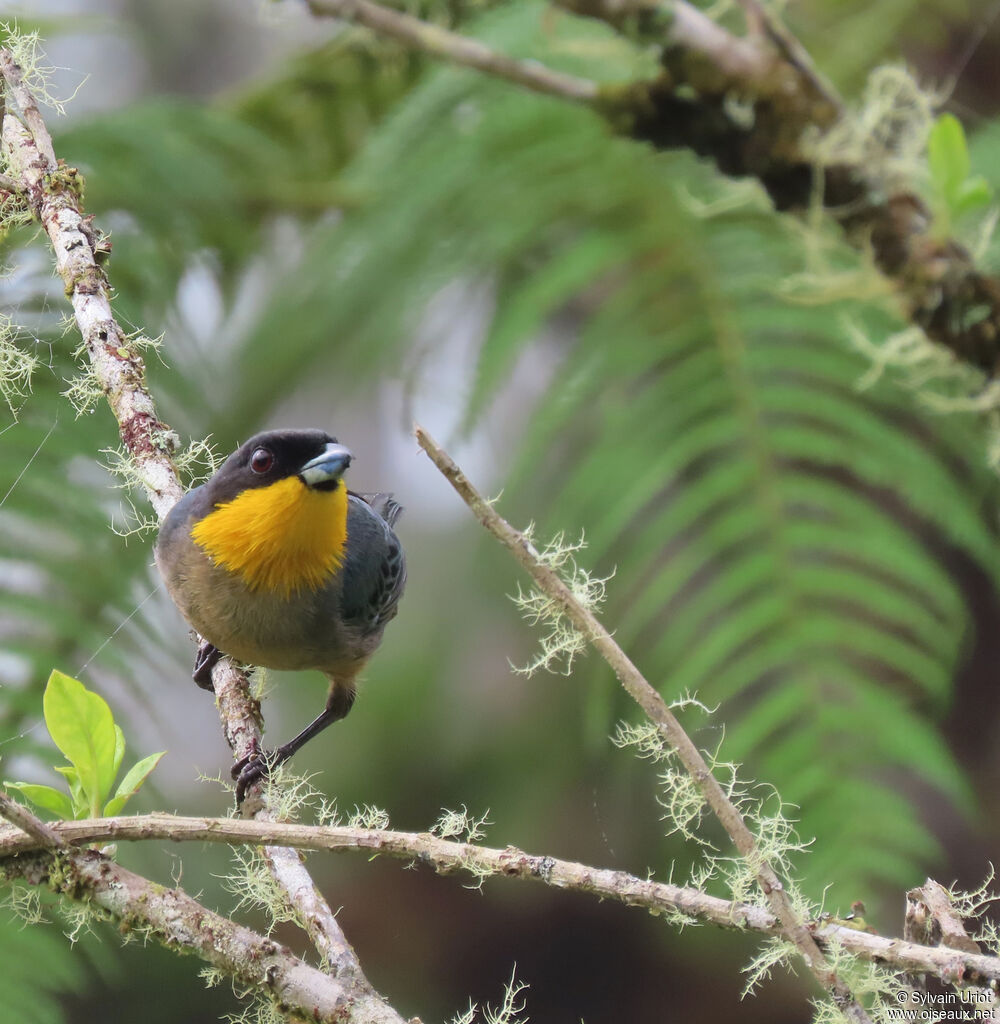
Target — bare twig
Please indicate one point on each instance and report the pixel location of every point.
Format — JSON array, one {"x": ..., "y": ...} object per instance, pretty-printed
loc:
[
  {"x": 439, "y": 42},
  {"x": 445, "y": 857},
  {"x": 655, "y": 708},
  {"x": 54, "y": 195},
  {"x": 31, "y": 825}
]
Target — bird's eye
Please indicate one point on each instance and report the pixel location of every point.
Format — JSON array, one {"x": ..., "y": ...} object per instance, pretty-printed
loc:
[{"x": 261, "y": 460}]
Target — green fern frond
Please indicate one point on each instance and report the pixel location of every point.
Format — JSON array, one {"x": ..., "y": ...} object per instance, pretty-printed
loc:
[{"x": 778, "y": 535}]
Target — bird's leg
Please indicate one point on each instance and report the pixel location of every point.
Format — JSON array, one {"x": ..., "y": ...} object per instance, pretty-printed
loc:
[
  {"x": 204, "y": 661},
  {"x": 258, "y": 763}
]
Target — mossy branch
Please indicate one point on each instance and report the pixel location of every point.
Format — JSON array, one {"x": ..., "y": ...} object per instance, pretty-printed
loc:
[
  {"x": 769, "y": 120},
  {"x": 53, "y": 192},
  {"x": 685, "y": 904},
  {"x": 793, "y": 927}
]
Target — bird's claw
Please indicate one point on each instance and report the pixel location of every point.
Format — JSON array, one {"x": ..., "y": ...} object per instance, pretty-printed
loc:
[
  {"x": 205, "y": 660},
  {"x": 254, "y": 767}
]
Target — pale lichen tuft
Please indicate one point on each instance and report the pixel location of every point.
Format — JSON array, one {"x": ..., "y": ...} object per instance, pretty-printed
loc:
[
  {"x": 198, "y": 461},
  {"x": 369, "y": 817},
  {"x": 888, "y": 133},
  {"x": 26, "y": 49},
  {"x": 508, "y": 1012},
  {"x": 460, "y": 824},
  {"x": 25, "y": 903},
  {"x": 562, "y": 641},
  {"x": 16, "y": 366}
]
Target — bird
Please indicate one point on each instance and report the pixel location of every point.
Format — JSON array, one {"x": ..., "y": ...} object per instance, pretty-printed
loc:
[{"x": 275, "y": 563}]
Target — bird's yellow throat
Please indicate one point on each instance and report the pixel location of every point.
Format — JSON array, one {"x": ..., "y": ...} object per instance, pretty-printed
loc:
[{"x": 280, "y": 538}]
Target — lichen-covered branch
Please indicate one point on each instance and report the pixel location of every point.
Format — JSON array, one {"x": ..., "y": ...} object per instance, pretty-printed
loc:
[
  {"x": 756, "y": 107},
  {"x": 932, "y": 919},
  {"x": 657, "y": 711},
  {"x": 960, "y": 963},
  {"x": 765, "y": 121},
  {"x": 45, "y": 857},
  {"x": 54, "y": 194},
  {"x": 180, "y": 923},
  {"x": 654, "y": 21},
  {"x": 241, "y": 723}
]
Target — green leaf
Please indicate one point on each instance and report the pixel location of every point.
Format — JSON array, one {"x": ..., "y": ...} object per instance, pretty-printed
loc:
[
  {"x": 972, "y": 193},
  {"x": 46, "y": 797},
  {"x": 119, "y": 747},
  {"x": 948, "y": 156},
  {"x": 133, "y": 780},
  {"x": 80, "y": 805},
  {"x": 82, "y": 727}
]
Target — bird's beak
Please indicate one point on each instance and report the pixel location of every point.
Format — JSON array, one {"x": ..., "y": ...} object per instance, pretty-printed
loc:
[{"x": 327, "y": 467}]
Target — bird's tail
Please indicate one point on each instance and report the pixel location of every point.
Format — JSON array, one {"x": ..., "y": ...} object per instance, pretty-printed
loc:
[{"x": 385, "y": 505}]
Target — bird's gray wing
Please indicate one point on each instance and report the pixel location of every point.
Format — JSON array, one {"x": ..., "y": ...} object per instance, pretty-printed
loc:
[{"x": 374, "y": 572}]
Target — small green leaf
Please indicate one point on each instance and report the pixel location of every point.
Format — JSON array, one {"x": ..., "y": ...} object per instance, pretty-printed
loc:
[
  {"x": 46, "y": 797},
  {"x": 119, "y": 747},
  {"x": 81, "y": 807},
  {"x": 972, "y": 193},
  {"x": 82, "y": 727},
  {"x": 948, "y": 156},
  {"x": 133, "y": 780}
]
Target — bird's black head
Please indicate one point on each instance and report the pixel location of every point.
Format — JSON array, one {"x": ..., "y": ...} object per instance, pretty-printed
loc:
[{"x": 312, "y": 455}]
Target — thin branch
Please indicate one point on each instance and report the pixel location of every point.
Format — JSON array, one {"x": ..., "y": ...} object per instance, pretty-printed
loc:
[
  {"x": 25, "y": 102},
  {"x": 54, "y": 192},
  {"x": 683, "y": 25},
  {"x": 763, "y": 21},
  {"x": 445, "y": 857},
  {"x": 439, "y": 42},
  {"x": 241, "y": 722},
  {"x": 31, "y": 825},
  {"x": 656, "y": 709}
]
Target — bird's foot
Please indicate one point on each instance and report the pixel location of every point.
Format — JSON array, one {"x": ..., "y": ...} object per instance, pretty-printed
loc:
[
  {"x": 204, "y": 661},
  {"x": 254, "y": 767}
]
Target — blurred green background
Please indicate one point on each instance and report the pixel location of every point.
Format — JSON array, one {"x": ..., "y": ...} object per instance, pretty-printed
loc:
[{"x": 328, "y": 231}]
